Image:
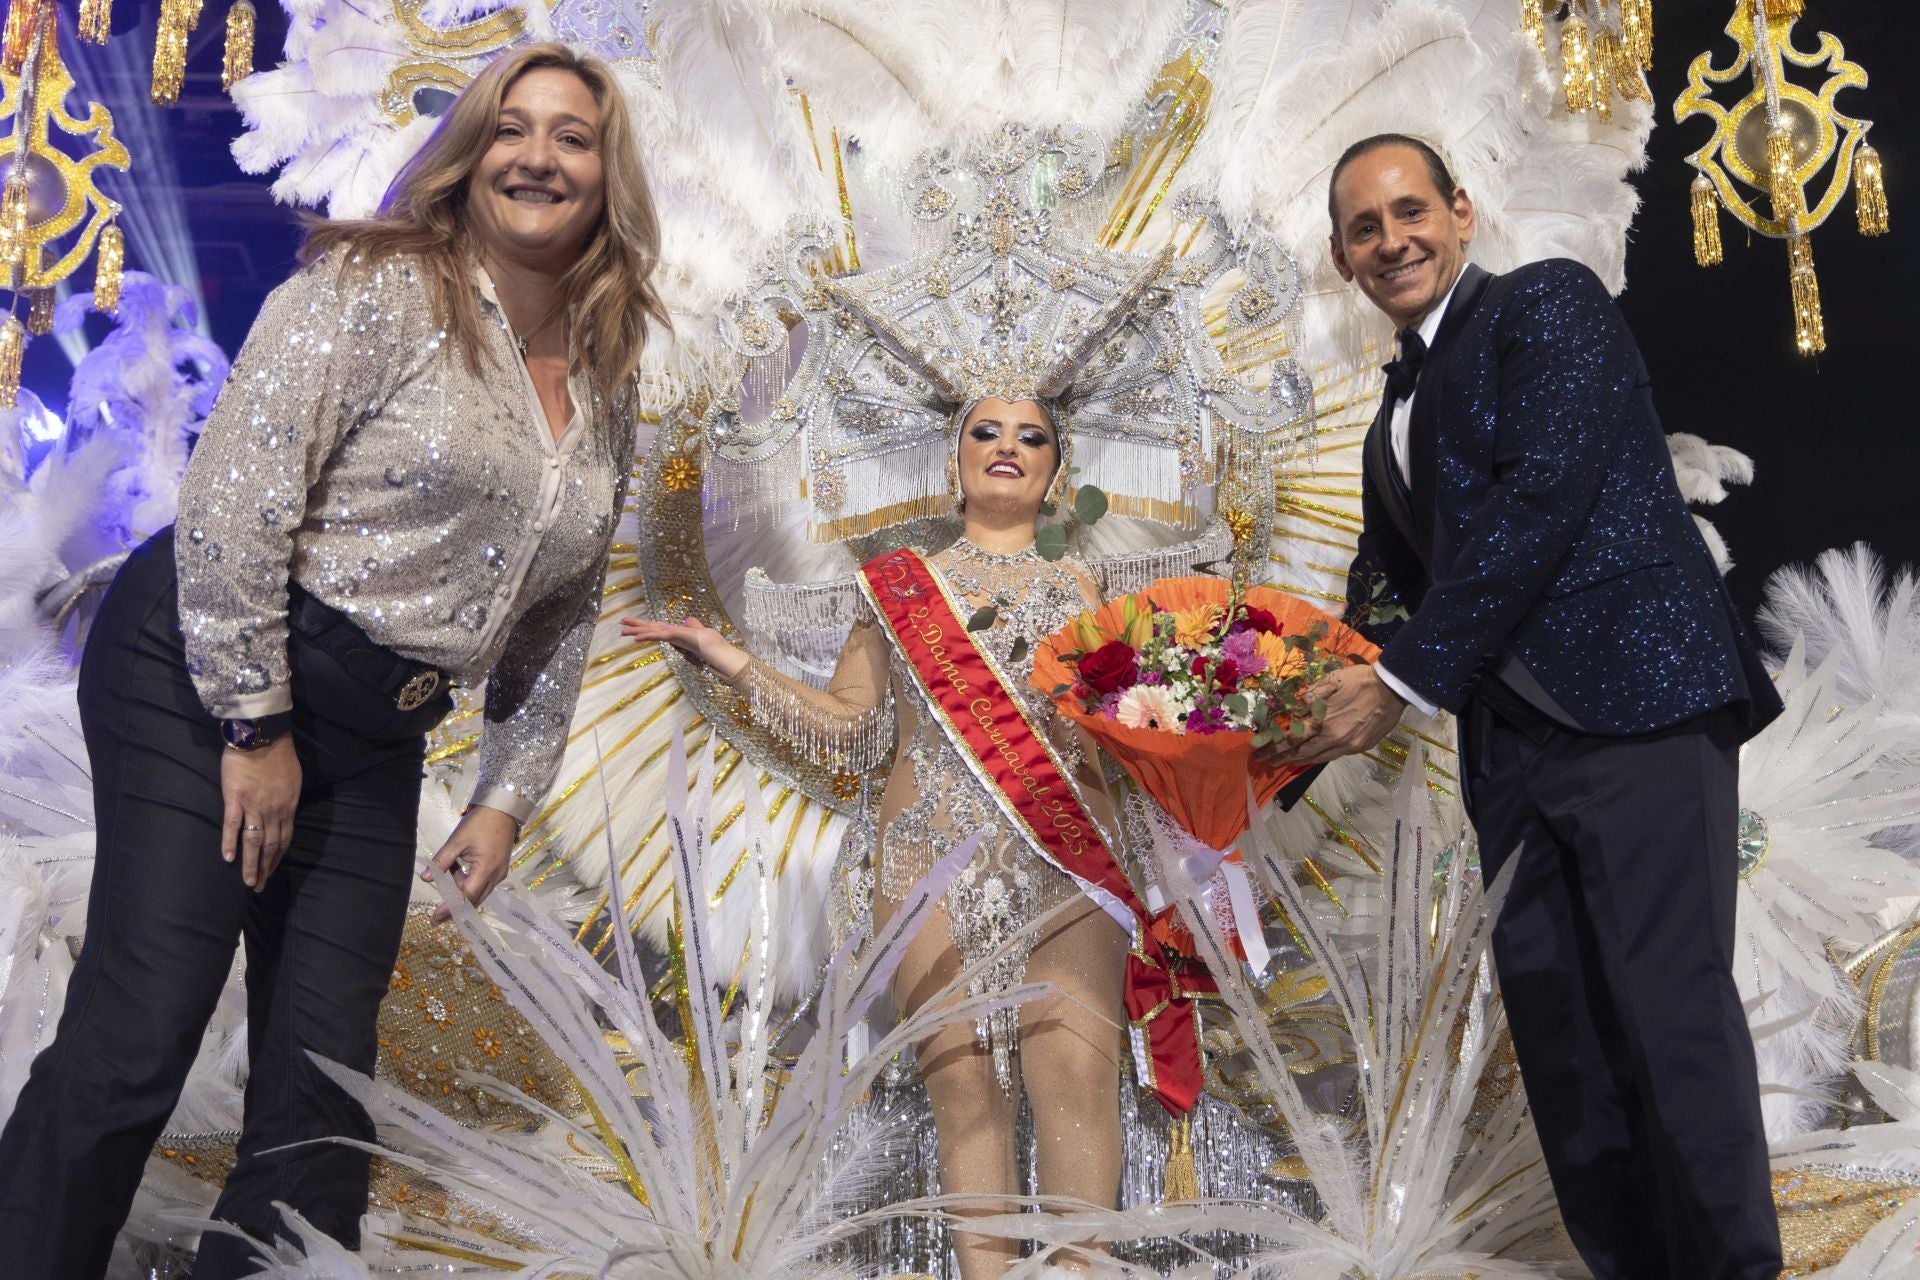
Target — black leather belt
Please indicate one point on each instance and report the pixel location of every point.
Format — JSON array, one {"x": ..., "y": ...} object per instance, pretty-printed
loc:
[{"x": 410, "y": 684}]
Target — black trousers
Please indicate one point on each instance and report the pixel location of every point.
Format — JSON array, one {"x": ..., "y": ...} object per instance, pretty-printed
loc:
[
  {"x": 164, "y": 917},
  {"x": 1615, "y": 955}
]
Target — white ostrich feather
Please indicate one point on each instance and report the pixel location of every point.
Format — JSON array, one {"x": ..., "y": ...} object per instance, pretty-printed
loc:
[
  {"x": 1849, "y": 608},
  {"x": 1821, "y": 780},
  {"x": 1414, "y": 1190},
  {"x": 1081, "y": 62},
  {"x": 1891, "y": 1149},
  {"x": 901, "y": 76},
  {"x": 741, "y": 1179},
  {"x": 1704, "y": 471}
]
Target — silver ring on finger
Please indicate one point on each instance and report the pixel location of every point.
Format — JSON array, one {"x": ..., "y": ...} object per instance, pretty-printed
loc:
[{"x": 253, "y": 828}]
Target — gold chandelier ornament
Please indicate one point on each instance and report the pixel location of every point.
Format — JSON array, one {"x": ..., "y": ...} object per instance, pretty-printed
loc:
[
  {"x": 1776, "y": 141},
  {"x": 52, "y": 212},
  {"x": 1605, "y": 49}
]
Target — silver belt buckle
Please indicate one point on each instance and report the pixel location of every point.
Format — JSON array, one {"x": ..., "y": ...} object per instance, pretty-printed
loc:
[{"x": 415, "y": 692}]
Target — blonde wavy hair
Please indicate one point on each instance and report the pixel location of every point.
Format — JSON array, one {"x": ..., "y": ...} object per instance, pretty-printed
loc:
[{"x": 608, "y": 292}]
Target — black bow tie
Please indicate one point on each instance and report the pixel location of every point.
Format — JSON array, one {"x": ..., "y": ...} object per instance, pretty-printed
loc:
[{"x": 1403, "y": 374}]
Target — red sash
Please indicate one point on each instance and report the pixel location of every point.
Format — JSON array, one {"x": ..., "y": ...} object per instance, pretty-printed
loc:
[{"x": 990, "y": 728}]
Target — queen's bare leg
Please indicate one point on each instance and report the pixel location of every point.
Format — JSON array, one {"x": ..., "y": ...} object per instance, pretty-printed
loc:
[
  {"x": 972, "y": 1114},
  {"x": 1070, "y": 1046}
]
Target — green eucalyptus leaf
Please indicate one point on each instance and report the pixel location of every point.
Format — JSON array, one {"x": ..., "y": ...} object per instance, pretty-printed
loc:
[
  {"x": 1318, "y": 709},
  {"x": 1089, "y": 503},
  {"x": 1297, "y": 730},
  {"x": 982, "y": 618},
  {"x": 1236, "y": 704},
  {"x": 1018, "y": 651},
  {"x": 1050, "y": 541}
]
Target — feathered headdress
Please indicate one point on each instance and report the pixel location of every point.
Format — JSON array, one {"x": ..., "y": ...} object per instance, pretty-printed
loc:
[{"x": 1009, "y": 303}]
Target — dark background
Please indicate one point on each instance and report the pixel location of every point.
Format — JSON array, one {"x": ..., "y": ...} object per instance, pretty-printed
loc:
[{"x": 1835, "y": 439}]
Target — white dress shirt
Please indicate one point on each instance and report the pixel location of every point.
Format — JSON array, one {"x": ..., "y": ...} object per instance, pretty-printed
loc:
[{"x": 1399, "y": 427}]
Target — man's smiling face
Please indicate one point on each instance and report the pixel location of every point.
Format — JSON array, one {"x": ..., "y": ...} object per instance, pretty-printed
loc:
[{"x": 1396, "y": 235}]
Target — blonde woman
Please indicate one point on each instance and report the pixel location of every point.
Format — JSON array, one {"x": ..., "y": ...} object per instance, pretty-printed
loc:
[{"x": 411, "y": 478}]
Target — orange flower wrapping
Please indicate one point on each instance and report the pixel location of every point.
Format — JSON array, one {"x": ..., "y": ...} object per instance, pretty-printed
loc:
[{"x": 1200, "y": 779}]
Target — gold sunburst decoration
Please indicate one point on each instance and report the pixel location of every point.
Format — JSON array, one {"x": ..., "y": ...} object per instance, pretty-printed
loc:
[
  {"x": 1775, "y": 142},
  {"x": 52, "y": 211}
]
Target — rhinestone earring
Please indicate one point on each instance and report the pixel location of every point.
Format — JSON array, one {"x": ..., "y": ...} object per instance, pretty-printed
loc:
[
  {"x": 953, "y": 482},
  {"x": 1057, "y": 491}
]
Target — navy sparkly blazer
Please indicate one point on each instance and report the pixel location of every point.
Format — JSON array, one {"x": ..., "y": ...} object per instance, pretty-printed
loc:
[{"x": 1543, "y": 544}]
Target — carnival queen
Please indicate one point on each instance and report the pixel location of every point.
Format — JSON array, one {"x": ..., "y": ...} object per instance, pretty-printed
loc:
[{"x": 954, "y": 700}]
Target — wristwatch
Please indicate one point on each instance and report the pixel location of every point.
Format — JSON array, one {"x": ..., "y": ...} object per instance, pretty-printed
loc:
[{"x": 251, "y": 735}]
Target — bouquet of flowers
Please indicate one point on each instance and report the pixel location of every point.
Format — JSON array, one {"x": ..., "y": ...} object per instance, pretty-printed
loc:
[{"x": 1187, "y": 684}]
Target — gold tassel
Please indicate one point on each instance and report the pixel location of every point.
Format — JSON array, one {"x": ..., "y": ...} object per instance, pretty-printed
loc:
[
  {"x": 1706, "y": 222},
  {"x": 39, "y": 312},
  {"x": 177, "y": 21},
  {"x": 22, "y": 17},
  {"x": 1809, "y": 329},
  {"x": 95, "y": 17},
  {"x": 1869, "y": 194},
  {"x": 1605, "y": 58},
  {"x": 1576, "y": 61},
  {"x": 1781, "y": 8},
  {"x": 1534, "y": 23},
  {"x": 1628, "y": 77},
  {"x": 109, "y": 262},
  {"x": 1783, "y": 184},
  {"x": 239, "y": 56},
  {"x": 1636, "y": 28},
  {"x": 1182, "y": 1180},
  {"x": 13, "y": 347},
  {"x": 13, "y": 223}
]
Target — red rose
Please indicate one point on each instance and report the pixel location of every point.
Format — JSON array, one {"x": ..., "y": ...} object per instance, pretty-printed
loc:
[
  {"x": 1110, "y": 668},
  {"x": 1226, "y": 676},
  {"x": 1262, "y": 620}
]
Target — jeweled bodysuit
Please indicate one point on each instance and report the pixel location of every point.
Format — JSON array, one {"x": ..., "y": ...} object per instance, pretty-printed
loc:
[{"x": 933, "y": 800}]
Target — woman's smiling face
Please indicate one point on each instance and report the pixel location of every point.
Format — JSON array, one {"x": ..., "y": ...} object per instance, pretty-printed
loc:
[
  {"x": 1008, "y": 454},
  {"x": 540, "y": 190}
]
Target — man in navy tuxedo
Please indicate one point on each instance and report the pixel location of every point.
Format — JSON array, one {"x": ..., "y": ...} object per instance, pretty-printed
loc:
[{"x": 1529, "y": 565}]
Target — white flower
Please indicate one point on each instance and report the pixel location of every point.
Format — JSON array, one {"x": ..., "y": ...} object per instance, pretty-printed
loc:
[{"x": 1147, "y": 706}]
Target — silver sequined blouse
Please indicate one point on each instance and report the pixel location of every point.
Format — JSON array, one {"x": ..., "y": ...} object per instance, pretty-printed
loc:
[{"x": 353, "y": 452}]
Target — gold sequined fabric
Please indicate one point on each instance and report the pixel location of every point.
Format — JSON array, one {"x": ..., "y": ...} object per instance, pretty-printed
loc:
[
  {"x": 1823, "y": 1215},
  {"x": 353, "y": 451},
  {"x": 443, "y": 1017}
]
